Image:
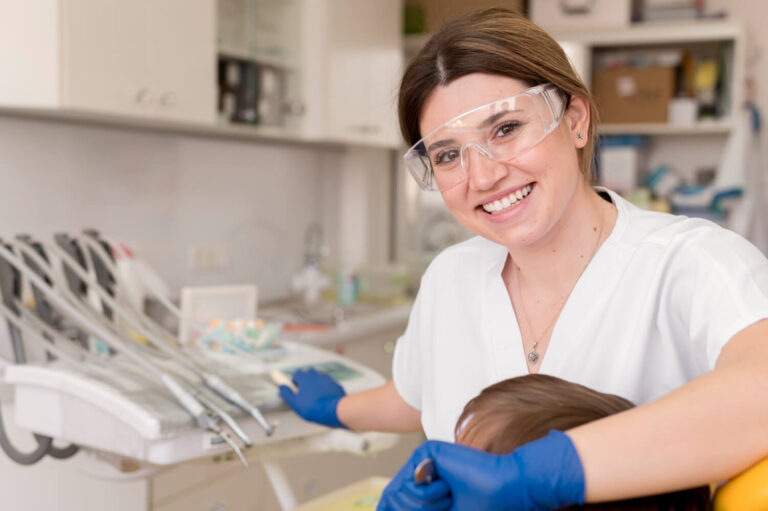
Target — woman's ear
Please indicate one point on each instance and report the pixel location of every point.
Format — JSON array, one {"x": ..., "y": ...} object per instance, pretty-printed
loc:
[{"x": 577, "y": 117}]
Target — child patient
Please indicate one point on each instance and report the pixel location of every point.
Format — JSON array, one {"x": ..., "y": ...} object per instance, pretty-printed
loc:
[{"x": 519, "y": 410}]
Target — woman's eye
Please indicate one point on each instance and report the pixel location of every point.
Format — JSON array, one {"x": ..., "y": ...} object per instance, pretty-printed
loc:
[
  {"x": 446, "y": 157},
  {"x": 507, "y": 129}
]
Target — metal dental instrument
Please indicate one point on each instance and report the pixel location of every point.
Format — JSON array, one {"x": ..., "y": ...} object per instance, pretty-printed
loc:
[
  {"x": 425, "y": 471},
  {"x": 212, "y": 381},
  {"x": 207, "y": 419},
  {"x": 168, "y": 304},
  {"x": 38, "y": 337},
  {"x": 252, "y": 410},
  {"x": 234, "y": 426},
  {"x": 74, "y": 353},
  {"x": 168, "y": 347},
  {"x": 196, "y": 409}
]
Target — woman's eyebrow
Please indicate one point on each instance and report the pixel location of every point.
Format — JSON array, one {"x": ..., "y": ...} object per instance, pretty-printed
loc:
[
  {"x": 487, "y": 122},
  {"x": 493, "y": 118},
  {"x": 440, "y": 143}
]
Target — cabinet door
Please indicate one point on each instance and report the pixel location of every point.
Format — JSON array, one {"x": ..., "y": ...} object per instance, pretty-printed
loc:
[
  {"x": 365, "y": 62},
  {"x": 183, "y": 59},
  {"x": 104, "y": 50}
]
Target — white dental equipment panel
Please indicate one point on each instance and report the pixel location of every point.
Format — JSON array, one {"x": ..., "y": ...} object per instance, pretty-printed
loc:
[
  {"x": 121, "y": 415},
  {"x": 100, "y": 381}
]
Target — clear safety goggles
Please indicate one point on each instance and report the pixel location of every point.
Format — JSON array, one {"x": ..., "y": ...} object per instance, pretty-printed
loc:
[{"x": 502, "y": 131}]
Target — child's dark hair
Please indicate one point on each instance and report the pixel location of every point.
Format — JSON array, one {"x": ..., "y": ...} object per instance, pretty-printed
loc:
[{"x": 519, "y": 410}]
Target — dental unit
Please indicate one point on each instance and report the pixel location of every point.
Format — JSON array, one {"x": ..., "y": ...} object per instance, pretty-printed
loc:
[{"x": 128, "y": 389}]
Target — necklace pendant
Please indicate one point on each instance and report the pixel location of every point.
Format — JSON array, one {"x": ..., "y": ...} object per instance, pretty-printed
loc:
[{"x": 533, "y": 357}]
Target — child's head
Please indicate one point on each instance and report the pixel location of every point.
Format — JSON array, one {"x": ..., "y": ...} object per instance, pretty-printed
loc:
[{"x": 519, "y": 410}]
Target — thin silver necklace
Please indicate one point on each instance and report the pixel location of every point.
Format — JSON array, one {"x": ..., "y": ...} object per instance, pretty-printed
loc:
[{"x": 533, "y": 356}]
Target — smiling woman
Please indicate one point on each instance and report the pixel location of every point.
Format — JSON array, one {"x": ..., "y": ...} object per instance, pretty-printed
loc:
[
  {"x": 563, "y": 279},
  {"x": 527, "y": 139}
]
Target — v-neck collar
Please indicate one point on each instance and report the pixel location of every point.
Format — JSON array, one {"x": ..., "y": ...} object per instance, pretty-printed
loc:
[{"x": 500, "y": 321}]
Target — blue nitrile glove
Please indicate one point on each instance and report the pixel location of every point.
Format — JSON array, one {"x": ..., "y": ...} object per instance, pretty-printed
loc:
[
  {"x": 317, "y": 397},
  {"x": 543, "y": 474}
]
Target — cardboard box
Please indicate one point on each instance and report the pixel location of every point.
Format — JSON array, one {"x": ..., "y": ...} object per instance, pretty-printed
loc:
[
  {"x": 570, "y": 15},
  {"x": 633, "y": 95}
]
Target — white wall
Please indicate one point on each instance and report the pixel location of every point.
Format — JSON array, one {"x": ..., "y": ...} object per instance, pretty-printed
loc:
[{"x": 165, "y": 193}]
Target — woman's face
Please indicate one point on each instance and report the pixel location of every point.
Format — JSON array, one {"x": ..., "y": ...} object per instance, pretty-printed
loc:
[{"x": 550, "y": 168}]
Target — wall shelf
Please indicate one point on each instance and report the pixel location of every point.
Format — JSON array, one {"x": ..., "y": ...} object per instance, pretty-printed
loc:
[
  {"x": 267, "y": 134},
  {"x": 657, "y": 33}
]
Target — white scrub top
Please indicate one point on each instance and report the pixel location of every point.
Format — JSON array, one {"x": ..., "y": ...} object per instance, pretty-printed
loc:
[{"x": 660, "y": 298}]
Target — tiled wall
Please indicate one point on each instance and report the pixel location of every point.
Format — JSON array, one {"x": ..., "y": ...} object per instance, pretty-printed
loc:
[{"x": 165, "y": 194}]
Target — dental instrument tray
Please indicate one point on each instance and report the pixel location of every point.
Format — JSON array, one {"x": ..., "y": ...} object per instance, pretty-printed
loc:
[{"x": 125, "y": 415}]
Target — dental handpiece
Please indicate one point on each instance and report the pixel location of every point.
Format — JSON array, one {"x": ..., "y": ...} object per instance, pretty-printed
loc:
[
  {"x": 210, "y": 380},
  {"x": 226, "y": 418},
  {"x": 207, "y": 419},
  {"x": 183, "y": 397},
  {"x": 231, "y": 395}
]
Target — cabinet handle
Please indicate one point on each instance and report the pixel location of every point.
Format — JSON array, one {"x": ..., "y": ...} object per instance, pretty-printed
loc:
[
  {"x": 294, "y": 108},
  {"x": 576, "y": 7},
  {"x": 168, "y": 99},
  {"x": 143, "y": 96},
  {"x": 364, "y": 129}
]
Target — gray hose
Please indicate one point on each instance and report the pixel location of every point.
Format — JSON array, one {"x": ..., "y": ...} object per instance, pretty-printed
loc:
[
  {"x": 22, "y": 458},
  {"x": 62, "y": 453},
  {"x": 44, "y": 443}
]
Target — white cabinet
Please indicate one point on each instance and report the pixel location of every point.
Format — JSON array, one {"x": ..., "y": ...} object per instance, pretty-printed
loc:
[
  {"x": 140, "y": 58},
  {"x": 183, "y": 58},
  {"x": 364, "y": 68},
  {"x": 341, "y": 59},
  {"x": 335, "y": 64}
]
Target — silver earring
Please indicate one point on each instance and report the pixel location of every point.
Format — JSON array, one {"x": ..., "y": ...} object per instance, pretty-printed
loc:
[{"x": 579, "y": 136}]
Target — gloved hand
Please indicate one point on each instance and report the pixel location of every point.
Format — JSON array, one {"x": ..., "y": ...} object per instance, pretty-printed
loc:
[
  {"x": 543, "y": 474},
  {"x": 317, "y": 397}
]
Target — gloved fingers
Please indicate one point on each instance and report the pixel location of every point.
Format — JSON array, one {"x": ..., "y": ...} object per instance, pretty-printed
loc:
[
  {"x": 402, "y": 501},
  {"x": 397, "y": 501},
  {"x": 403, "y": 492},
  {"x": 298, "y": 376},
  {"x": 469, "y": 472},
  {"x": 288, "y": 395},
  {"x": 436, "y": 491},
  {"x": 304, "y": 376},
  {"x": 452, "y": 459}
]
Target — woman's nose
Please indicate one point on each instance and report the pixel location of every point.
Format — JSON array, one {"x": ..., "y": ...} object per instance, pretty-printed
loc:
[{"x": 482, "y": 170}]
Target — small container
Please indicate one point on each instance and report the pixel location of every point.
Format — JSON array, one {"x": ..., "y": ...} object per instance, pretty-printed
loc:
[
  {"x": 682, "y": 111},
  {"x": 347, "y": 286}
]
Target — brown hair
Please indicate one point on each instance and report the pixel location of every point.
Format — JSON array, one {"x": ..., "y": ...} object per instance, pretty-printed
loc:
[
  {"x": 519, "y": 410},
  {"x": 492, "y": 41}
]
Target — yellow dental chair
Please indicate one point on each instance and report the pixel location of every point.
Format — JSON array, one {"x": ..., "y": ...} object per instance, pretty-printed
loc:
[{"x": 747, "y": 491}]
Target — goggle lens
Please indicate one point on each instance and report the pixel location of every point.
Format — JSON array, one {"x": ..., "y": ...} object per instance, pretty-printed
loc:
[{"x": 502, "y": 130}]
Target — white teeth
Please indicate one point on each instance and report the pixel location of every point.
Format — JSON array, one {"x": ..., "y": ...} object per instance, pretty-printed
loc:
[{"x": 510, "y": 200}]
